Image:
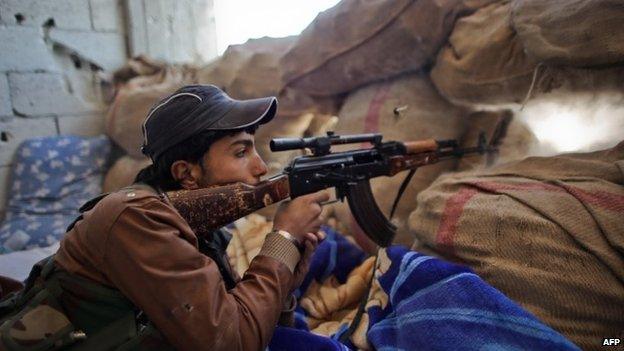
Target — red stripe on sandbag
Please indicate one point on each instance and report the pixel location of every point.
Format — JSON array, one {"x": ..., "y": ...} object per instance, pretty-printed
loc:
[
  {"x": 496, "y": 187},
  {"x": 454, "y": 207},
  {"x": 371, "y": 121},
  {"x": 453, "y": 210},
  {"x": 603, "y": 199}
]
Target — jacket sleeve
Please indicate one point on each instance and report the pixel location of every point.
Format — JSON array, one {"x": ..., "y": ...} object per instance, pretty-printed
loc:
[{"x": 182, "y": 291}]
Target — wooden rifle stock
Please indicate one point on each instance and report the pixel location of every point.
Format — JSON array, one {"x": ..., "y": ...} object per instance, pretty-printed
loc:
[{"x": 211, "y": 208}]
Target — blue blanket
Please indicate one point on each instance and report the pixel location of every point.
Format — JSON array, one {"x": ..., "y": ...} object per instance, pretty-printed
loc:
[
  {"x": 433, "y": 305},
  {"x": 50, "y": 179}
]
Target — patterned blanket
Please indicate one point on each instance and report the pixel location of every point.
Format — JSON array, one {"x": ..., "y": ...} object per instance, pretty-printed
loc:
[{"x": 415, "y": 302}]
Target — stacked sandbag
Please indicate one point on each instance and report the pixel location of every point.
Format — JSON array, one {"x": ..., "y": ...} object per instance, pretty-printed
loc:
[
  {"x": 572, "y": 32},
  {"x": 511, "y": 136},
  {"x": 546, "y": 231},
  {"x": 351, "y": 44},
  {"x": 249, "y": 70},
  {"x": 123, "y": 172},
  {"x": 485, "y": 63},
  {"x": 420, "y": 114}
]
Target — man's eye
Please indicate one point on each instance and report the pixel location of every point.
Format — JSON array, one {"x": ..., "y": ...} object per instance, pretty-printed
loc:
[{"x": 240, "y": 154}]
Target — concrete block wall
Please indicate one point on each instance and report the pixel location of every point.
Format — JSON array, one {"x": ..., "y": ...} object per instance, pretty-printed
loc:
[
  {"x": 55, "y": 53},
  {"x": 176, "y": 31}
]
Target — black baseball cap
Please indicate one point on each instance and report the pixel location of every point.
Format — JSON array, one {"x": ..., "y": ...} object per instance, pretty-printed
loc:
[{"x": 197, "y": 108}]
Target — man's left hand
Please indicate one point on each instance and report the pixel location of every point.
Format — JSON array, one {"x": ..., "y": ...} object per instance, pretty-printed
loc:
[{"x": 311, "y": 242}]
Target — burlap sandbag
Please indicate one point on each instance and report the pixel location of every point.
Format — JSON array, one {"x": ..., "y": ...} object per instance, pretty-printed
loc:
[
  {"x": 123, "y": 172},
  {"x": 358, "y": 42},
  {"x": 133, "y": 101},
  {"x": 423, "y": 114},
  {"x": 546, "y": 231},
  {"x": 512, "y": 138},
  {"x": 571, "y": 32},
  {"x": 248, "y": 70},
  {"x": 485, "y": 62}
]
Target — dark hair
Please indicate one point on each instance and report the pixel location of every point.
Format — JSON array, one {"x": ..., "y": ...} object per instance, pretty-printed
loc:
[{"x": 158, "y": 175}]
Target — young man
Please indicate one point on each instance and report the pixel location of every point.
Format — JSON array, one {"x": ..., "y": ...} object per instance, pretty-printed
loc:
[{"x": 133, "y": 242}]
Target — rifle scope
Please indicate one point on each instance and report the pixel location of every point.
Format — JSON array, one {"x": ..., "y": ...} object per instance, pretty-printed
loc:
[{"x": 323, "y": 143}]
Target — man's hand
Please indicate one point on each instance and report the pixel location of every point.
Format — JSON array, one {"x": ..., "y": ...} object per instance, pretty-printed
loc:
[
  {"x": 301, "y": 217},
  {"x": 311, "y": 242}
]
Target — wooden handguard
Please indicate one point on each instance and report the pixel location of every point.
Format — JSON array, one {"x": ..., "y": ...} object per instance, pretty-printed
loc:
[
  {"x": 414, "y": 147},
  {"x": 208, "y": 209}
]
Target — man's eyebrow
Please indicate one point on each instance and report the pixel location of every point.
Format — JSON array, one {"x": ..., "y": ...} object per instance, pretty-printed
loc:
[{"x": 245, "y": 142}]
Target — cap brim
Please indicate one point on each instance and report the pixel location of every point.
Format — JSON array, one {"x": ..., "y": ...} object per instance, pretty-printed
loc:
[{"x": 246, "y": 113}]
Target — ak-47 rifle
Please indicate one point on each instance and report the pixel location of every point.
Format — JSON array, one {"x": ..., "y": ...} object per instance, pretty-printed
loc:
[{"x": 349, "y": 172}]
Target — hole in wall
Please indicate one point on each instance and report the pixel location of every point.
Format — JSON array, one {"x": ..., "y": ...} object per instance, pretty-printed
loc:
[
  {"x": 19, "y": 18},
  {"x": 76, "y": 60},
  {"x": 5, "y": 136},
  {"x": 49, "y": 23}
]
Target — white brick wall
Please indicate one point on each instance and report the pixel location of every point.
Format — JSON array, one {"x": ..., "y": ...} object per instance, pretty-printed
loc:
[
  {"x": 23, "y": 49},
  {"x": 5, "y": 97},
  {"x": 69, "y": 14},
  {"x": 45, "y": 94},
  {"x": 178, "y": 31},
  {"x": 52, "y": 51},
  {"x": 106, "y": 50},
  {"x": 48, "y": 83},
  {"x": 107, "y": 15}
]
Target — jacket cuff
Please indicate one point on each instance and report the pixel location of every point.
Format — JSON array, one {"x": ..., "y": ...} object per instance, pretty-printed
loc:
[{"x": 281, "y": 249}]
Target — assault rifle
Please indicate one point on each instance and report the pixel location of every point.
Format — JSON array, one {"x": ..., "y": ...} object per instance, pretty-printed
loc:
[{"x": 348, "y": 172}]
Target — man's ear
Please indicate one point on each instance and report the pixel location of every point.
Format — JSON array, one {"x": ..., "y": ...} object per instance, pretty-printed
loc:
[{"x": 186, "y": 173}]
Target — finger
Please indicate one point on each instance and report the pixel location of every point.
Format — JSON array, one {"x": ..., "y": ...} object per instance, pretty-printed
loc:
[
  {"x": 312, "y": 238},
  {"x": 318, "y": 197},
  {"x": 321, "y": 235}
]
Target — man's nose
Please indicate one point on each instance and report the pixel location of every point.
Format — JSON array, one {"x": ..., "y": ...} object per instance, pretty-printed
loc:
[{"x": 260, "y": 168}]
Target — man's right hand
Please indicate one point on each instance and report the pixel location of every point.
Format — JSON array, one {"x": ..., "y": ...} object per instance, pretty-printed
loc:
[{"x": 301, "y": 215}]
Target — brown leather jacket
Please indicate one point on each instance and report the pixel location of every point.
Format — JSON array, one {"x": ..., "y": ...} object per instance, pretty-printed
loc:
[{"x": 136, "y": 242}]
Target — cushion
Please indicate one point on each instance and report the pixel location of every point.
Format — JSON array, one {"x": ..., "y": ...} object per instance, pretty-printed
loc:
[{"x": 50, "y": 179}]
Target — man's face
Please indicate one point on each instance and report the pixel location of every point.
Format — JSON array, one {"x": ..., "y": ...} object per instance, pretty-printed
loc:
[{"x": 232, "y": 159}]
